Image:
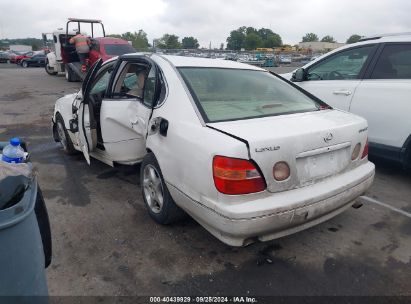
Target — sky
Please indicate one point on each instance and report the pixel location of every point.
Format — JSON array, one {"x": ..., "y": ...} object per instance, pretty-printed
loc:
[{"x": 211, "y": 20}]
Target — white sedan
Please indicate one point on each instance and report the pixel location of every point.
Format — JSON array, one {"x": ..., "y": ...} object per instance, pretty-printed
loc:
[{"x": 246, "y": 154}]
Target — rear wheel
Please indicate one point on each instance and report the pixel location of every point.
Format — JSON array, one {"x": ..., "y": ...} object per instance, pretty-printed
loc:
[
  {"x": 49, "y": 70},
  {"x": 157, "y": 198},
  {"x": 63, "y": 136},
  {"x": 24, "y": 64},
  {"x": 69, "y": 74}
]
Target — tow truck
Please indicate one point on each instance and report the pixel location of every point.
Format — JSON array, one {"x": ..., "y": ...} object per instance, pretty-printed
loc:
[{"x": 63, "y": 58}]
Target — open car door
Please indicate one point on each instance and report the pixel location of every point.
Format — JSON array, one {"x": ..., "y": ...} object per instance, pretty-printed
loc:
[{"x": 88, "y": 123}]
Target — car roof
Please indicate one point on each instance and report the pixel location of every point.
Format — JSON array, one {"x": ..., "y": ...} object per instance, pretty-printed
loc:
[
  {"x": 110, "y": 40},
  {"x": 406, "y": 37},
  {"x": 185, "y": 61}
]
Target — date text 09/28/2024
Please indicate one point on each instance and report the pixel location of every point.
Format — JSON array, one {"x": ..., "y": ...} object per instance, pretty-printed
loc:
[{"x": 203, "y": 299}]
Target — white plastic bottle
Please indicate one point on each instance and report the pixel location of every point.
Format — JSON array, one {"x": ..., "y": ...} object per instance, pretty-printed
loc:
[{"x": 13, "y": 152}]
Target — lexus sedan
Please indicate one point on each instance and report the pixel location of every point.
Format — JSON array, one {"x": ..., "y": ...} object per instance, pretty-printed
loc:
[{"x": 247, "y": 154}]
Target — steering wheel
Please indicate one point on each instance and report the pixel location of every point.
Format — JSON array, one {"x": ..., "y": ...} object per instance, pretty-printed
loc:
[{"x": 335, "y": 75}]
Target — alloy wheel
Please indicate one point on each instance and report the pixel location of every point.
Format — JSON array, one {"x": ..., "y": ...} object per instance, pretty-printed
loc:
[{"x": 153, "y": 189}]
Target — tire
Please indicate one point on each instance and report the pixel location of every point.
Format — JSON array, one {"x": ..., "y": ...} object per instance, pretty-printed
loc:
[
  {"x": 69, "y": 74},
  {"x": 24, "y": 64},
  {"x": 48, "y": 69},
  {"x": 154, "y": 190},
  {"x": 63, "y": 136},
  {"x": 8, "y": 61}
]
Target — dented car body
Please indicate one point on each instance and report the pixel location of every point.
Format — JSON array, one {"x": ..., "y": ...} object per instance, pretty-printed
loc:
[{"x": 247, "y": 154}]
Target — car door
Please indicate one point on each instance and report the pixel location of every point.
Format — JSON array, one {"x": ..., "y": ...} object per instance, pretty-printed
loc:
[
  {"x": 384, "y": 96},
  {"x": 87, "y": 135},
  {"x": 34, "y": 60},
  {"x": 335, "y": 78},
  {"x": 126, "y": 113}
]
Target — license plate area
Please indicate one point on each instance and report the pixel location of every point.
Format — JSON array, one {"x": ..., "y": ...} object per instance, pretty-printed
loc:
[{"x": 314, "y": 167}]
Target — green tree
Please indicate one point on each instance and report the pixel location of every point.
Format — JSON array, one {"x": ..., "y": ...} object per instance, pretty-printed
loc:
[
  {"x": 236, "y": 40},
  {"x": 250, "y": 38},
  {"x": 253, "y": 41},
  {"x": 250, "y": 30},
  {"x": 270, "y": 39},
  {"x": 328, "y": 38},
  {"x": 141, "y": 42},
  {"x": 310, "y": 37},
  {"x": 168, "y": 41},
  {"x": 353, "y": 38},
  {"x": 138, "y": 39},
  {"x": 190, "y": 43}
]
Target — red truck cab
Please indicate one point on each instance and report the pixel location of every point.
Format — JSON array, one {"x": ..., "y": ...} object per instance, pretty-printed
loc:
[{"x": 108, "y": 47}]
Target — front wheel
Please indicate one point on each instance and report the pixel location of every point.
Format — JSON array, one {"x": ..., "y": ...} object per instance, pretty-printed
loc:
[
  {"x": 24, "y": 64},
  {"x": 49, "y": 70},
  {"x": 157, "y": 198}
]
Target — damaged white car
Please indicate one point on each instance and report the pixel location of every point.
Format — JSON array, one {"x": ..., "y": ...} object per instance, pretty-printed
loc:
[{"x": 247, "y": 154}]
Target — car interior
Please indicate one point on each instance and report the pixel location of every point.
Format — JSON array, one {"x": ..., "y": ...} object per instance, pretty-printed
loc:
[{"x": 129, "y": 84}]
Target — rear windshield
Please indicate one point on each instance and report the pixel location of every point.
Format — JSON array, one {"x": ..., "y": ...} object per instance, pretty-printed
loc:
[
  {"x": 233, "y": 94},
  {"x": 118, "y": 49}
]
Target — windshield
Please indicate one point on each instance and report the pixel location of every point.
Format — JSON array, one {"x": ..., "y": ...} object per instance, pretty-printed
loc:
[
  {"x": 118, "y": 49},
  {"x": 233, "y": 94}
]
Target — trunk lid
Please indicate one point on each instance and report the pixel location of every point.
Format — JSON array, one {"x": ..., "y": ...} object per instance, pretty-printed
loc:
[{"x": 315, "y": 145}]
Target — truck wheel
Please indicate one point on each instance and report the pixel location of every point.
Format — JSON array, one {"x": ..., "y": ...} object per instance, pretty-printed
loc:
[
  {"x": 63, "y": 136},
  {"x": 24, "y": 64},
  {"x": 157, "y": 198},
  {"x": 69, "y": 74},
  {"x": 49, "y": 70}
]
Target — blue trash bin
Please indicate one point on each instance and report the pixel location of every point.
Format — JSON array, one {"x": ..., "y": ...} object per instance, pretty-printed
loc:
[{"x": 25, "y": 238}]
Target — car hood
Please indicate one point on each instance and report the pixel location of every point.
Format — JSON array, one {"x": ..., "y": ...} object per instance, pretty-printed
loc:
[{"x": 314, "y": 144}]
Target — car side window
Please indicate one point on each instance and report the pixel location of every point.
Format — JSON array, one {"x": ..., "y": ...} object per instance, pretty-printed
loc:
[
  {"x": 341, "y": 66},
  {"x": 150, "y": 88},
  {"x": 132, "y": 80},
  {"x": 101, "y": 82},
  {"x": 393, "y": 63}
]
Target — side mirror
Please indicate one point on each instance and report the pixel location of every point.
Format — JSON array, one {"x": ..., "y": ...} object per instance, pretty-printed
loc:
[{"x": 299, "y": 75}]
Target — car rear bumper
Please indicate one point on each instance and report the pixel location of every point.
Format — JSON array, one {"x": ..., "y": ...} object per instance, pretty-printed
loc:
[{"x": 238, "y": 225}]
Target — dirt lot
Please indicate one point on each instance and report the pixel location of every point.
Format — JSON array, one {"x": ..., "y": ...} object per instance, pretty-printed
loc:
[{"x": 106, "y": 244}]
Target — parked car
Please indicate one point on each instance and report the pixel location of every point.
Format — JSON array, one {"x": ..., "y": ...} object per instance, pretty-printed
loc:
[
  {"x": 245, "y": 153},
  {"x": 13, "y": 55},
  {"x": 4, "y": 57},
  {"x": 371, "y": 78},
  {"x": 23, "y": 56},
  {"x": 38, "y": 60},
  {"x": 285, "y": 59}
]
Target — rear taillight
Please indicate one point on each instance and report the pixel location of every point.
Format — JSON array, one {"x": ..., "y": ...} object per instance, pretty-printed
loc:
[
  {"x": 236, "y": 176},
  {"x": 365, "y": 151}
]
